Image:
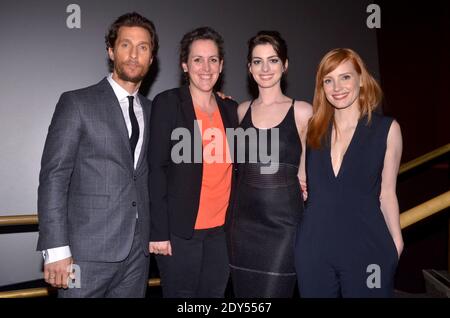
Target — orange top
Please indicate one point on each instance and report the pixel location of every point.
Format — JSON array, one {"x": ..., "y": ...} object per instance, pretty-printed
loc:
[{"x": 217, "y": 169}]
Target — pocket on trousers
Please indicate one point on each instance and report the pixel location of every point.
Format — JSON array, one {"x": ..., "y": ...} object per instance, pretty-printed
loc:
[{"x": 388, "y": 235}]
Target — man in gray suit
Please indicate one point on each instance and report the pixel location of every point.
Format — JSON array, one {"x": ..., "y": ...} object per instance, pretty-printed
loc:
[{"x": 93, "y": 202}]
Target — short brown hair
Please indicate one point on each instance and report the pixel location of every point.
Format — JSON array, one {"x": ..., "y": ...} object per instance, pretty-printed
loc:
[
  {"x": 201, "y": 33},
  {"x": 132, "y": 19}
]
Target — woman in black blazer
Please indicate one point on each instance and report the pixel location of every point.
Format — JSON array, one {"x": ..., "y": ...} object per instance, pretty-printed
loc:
[{"x": 190, "y": 174}]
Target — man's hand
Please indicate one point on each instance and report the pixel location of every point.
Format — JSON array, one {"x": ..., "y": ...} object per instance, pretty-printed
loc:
[
  {"x": 162, "y": 247},
  {"x": 56, "y": 273}
]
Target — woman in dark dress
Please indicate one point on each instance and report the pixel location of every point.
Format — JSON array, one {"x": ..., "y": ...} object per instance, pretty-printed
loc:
[
  {"x": 268, "y": 203},
  {"x": 349, "y": 240}
]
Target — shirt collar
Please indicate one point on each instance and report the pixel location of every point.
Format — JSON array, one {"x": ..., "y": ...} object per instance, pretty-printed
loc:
[{"x": 120, "y": 92}]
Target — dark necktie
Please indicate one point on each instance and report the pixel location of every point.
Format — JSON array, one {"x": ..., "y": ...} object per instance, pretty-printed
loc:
[{"x": 134, "y": 126}]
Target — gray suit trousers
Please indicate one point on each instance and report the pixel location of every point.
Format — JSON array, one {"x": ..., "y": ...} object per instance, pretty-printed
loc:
[{"x": 124, "y": 279}]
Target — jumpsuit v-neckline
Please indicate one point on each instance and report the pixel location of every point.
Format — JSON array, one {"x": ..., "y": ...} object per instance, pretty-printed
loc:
[{"x": 347, "y": 153}]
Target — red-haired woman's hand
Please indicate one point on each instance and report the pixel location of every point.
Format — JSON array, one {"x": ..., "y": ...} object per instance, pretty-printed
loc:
[{"x": 304, "y": 190}]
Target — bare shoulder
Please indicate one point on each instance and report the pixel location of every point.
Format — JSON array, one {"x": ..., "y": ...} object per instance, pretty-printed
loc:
[
  {"x": 395, "y": 127},
  {"x": 242, "y": 109},
  {"x": 394, "y": 139},
  {"x": 303, "y": 110},
  {"x": 395, "y": 131}
]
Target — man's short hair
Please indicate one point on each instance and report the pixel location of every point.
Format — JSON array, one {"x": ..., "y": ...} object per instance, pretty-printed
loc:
[{"x": 132, "y": 19}]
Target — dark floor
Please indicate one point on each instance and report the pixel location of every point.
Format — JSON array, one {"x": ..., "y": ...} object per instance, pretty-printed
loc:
[{"x": 156, "y": 293}]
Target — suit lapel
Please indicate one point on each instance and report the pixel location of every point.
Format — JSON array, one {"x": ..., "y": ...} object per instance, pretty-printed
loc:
[
  {"x": 189, "y": 113},
  {"x": 228, "y": 122},
  {"x": 109, "y": 98},
  {"x": 146, "y": 109},
  {"x": 223, "y": 113},
  {"x": 188, "y": 107}
]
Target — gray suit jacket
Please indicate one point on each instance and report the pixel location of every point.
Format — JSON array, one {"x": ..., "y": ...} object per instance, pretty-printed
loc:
[{"x": 89, "y": 192}]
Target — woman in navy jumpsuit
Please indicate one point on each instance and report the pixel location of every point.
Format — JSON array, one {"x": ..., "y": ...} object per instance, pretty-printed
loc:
[{"x": 349, "y": 240}]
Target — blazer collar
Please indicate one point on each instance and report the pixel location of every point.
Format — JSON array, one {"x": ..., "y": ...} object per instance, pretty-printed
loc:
[
  {"x": 188, "y": 105},
  {"x": 146, "y": 109},
  {"x": 109, "y": 97}
]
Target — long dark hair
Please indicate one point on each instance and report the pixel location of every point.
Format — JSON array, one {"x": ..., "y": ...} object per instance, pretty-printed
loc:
[{"x": 268, "y": 37}]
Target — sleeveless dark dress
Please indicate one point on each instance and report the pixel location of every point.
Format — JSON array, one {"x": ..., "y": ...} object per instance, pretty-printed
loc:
[
  {"x": 267, "y": 209},
  {"x": 343, "y": 246}
]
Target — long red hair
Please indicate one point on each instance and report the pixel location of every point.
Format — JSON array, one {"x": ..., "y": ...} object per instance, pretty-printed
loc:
[{"x": 323, "y": 112}]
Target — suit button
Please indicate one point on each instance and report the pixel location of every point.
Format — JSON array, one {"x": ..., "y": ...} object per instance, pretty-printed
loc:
[
  {"x": 134, "y": 178},
  {"x": 134, "y": 203}
]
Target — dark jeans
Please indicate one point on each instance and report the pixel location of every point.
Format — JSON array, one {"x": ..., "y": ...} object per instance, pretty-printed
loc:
[{"x": 198, "y": 267}]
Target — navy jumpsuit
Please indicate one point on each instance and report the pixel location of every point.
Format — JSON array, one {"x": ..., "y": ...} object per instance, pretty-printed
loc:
[{"x": 343, "y": 246}]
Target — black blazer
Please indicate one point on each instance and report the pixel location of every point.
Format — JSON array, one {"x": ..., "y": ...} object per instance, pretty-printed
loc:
[{"x": 175, "y": 187}]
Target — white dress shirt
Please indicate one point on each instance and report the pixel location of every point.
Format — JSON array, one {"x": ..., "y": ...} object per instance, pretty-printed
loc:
[{"x": 58, "y": 253}]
